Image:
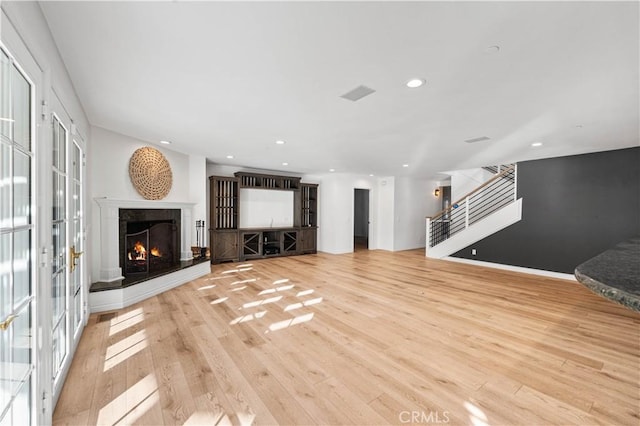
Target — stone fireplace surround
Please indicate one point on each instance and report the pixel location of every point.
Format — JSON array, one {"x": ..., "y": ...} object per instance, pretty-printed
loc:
[{"x": 110, "y": 270}]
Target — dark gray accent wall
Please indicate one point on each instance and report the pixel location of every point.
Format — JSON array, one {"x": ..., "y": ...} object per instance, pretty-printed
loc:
[{"x": 574, "y": 208}]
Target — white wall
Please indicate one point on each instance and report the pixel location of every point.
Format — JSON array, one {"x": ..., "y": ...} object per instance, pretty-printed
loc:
[
  {"x": 465, "y": 181},
  {"x": 109, "y": 174},
  {"x": 336, "y": 199},
  {"x": 413, "y": 201},
  {"x": 385, "y": 212},
  {"x": 198, "y": 194},
  {"x": 110, "y": 171}
]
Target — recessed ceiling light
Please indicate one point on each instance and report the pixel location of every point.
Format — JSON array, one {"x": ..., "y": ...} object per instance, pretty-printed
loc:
[
  {"x": 405, "y": 165},
  {"x": 370, "y": 175},
  {"x": 229, "y": 157},
  {"x": 285, "y": 164},
  {"x": 536, "y": 144},
  {"x": 415, "y": 82},
  {"x": 332, "y": 170},
  {"x": 165, "y": 142},
  {"x": 492, "y": 49},
  {"x": 280, "y": 142}
]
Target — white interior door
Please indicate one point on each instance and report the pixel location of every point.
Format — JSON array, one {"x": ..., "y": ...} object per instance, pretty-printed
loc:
[{"x": 17, "y": 242}]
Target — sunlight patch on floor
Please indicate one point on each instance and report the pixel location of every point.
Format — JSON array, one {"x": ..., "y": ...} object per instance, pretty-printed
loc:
[
  {"x": 219, "y": 300},
  {"x": 245, "y": 419},
  {"x": 239, "y": 288},
  {"x": 216, "y": 278},
  {"x": 282, "y": 281},
  {"x": 207, "y": 287},
  {"x": 250, "y": 280},
  {"x": 200, "y": 418},
  {"x": 262, "y": 302},
  {"x": 305, "y": 293},
  {"x": 290, "y": 322},
  {"x": 250, "y": 317},
  {"x": 303, "y": 304},
  {"x": 273, "y": 290},
  {"x": 132, "y": 404},
  {"x": 126, "y": 320},
  {"x": 476, "y": 415},
  {"x": 124, "y": 349}
]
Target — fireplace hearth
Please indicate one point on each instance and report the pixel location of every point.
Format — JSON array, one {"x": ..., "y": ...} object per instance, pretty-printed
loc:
[{"x": 111, "y": 290}]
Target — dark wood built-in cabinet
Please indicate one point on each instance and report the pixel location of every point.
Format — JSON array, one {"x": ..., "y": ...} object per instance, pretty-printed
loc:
[{"x": 230, "y": 242}]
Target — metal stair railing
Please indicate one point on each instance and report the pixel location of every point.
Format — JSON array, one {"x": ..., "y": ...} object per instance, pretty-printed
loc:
[{"x": 494, "y": 194}]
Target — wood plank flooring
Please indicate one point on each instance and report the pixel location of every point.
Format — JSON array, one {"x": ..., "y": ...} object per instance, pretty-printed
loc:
[{"x": 366, "y": 338}]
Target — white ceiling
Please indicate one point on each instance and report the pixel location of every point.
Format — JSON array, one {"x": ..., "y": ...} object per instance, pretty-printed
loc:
[{"x": 228, "y": 78}]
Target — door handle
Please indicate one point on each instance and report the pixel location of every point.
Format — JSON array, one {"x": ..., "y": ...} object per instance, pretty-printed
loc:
[
  {"x": 7, "y": 322},
  {"x": 75, "y": 255}
]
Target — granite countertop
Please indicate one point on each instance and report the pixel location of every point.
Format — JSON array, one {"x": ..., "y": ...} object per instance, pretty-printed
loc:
[{"x": 615, "y": 274}]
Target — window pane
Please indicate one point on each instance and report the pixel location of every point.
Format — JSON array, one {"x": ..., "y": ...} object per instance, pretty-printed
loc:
[
  {"x": 5, "y": 276},
  {"x": 58, "y": 295},
  {"x": 58, "y": 198},
  {"x": 5, "y": 186},
  {"x": 21, "y": 188},
  {"x": 5, "y": 372},
  {"x": 5, "y": 93},
  {"x": 76, "y": 213},
  {"x": 21, "y": 267},
  {"x": 56, "y": 141},
  {"x": 22, "y": 405},
  {"x": 77, "y": 311},
  {"x": 60, "y": 161},
  {"x": 59, "y": 346},
  {"x": 21, "y": 343},
  {"x": 21, "y": 94},
  {"x": 76, "y": 162},
  {"x": 58, "y": 255}
]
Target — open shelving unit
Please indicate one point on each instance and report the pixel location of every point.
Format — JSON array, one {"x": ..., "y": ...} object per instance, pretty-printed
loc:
[{"x": 230, "y": 242}]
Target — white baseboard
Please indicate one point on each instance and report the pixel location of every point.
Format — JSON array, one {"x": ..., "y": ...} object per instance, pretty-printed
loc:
[
  {"x": 109, "y": 300},
  {"x": 521, "y": 269}
]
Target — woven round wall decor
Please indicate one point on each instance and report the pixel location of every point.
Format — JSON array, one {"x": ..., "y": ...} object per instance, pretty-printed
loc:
[{"x": 150, "y": 173}]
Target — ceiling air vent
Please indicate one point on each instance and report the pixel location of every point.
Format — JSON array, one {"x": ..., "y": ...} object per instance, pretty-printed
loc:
[
  {"x": 480, "y": 139},
  {"x": 358, "y": 93}
]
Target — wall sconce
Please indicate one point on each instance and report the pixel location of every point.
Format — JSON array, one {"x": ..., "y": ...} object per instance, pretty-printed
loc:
[{"x": 436, "y": 193}]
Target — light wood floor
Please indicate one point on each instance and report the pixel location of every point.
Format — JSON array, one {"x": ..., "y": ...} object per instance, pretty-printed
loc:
[{"x": 366, "y": 338}]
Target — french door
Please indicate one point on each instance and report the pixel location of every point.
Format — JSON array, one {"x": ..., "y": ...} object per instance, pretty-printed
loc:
[
  {"x": 42, "y": 281},
  {"x": 67, "y": 243},
  {"x": 17, "y": 243}
]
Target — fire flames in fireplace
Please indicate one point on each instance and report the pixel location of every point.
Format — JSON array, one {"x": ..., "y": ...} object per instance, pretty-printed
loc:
[
  {"x": 139, "y": 252},
  {"x": 150, "y": 241}
]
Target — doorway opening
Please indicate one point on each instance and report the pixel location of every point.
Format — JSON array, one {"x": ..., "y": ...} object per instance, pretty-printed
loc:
[{"x": 360, "y": 219}]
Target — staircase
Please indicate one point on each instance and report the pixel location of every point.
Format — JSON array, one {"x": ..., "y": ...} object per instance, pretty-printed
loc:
[{"x": 484, "y": 211}]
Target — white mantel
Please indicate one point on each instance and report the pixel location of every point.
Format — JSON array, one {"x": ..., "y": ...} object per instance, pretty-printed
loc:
[{"x": 110, "y": 269}]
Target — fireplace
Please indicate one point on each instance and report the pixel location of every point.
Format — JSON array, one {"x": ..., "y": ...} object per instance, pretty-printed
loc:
[{"x": 149, "y": 241}]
